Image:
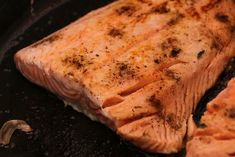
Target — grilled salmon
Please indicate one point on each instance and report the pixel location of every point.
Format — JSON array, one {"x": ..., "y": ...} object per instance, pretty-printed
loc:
[
  {"x": 218, "y": 138},
  {"x": 138, "y": 66}
]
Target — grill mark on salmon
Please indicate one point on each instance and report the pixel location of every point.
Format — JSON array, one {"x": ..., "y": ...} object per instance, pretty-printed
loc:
[
  {"x": 193, "y": 12},
  {"x": 161, "y": 8},
  {"x": 141, "y": 74},
  {"x": 222, "y": 17},
  {"x": 114, "y": 32},
  {"x": 127, "y": 10},
  {"x": 210, "y": 5},
  {"x": 137, "y": 41}
]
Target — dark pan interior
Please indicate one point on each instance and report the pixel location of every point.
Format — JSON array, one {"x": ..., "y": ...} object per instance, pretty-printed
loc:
[{"x": 58, "y": 131}]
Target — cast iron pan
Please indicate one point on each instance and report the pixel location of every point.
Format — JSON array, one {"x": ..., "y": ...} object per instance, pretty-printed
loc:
[{"x": 58, "y": 131}]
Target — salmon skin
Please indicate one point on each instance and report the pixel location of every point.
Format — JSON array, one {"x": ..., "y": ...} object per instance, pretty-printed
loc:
[
  {"x": 218, "y": 137},
  {"x": 138, "y": 66}
]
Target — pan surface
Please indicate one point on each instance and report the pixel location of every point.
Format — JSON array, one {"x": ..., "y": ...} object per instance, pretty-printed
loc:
[{"x": 58, "y": 131}]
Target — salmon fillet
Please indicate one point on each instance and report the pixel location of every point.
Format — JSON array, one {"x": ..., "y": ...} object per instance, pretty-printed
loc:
[
  {"x": 138, "y": 66},
  {"x": 218, "y": 138}
]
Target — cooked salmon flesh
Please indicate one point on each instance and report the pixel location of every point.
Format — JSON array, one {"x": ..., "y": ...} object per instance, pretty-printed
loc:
[
  {"x": 218, "y": 137},
  {"x": 138, "y": 66}
]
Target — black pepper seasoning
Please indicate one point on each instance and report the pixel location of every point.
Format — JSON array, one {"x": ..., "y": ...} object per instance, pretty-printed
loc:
[
  {"x": 222, "y": 17},
  {"x": 157, "y": 61},
  {"x": 175, "y": 52},
  {"x": 200, "y": 54}
]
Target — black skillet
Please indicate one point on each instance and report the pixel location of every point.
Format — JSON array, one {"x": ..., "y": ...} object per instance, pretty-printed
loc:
[{"x": 58, "y": 131}]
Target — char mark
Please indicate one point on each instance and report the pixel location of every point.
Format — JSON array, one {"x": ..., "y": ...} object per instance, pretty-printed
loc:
[
  {"x": 116, "y": 33},
  {"x": 157, "y": 61},
  {"x": 232, "y": 29},
  {"x": 222, "y": 17},
  {"x": 175, "y": 20},
  {"x": 161, "y": 8},
  {"x": 155, "y": 102},
  {"x": 173, "y": 121},
  {"x": 127, "y": 10},
  {"x": 169, "y": 43},
  {"x": 230, "y": 113},
  {"x": 210, "y": 5},
  {"x": 193, "y": 12},
  {"x": 175, "y": 52},
  {"x": 200, "y": 54}
]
